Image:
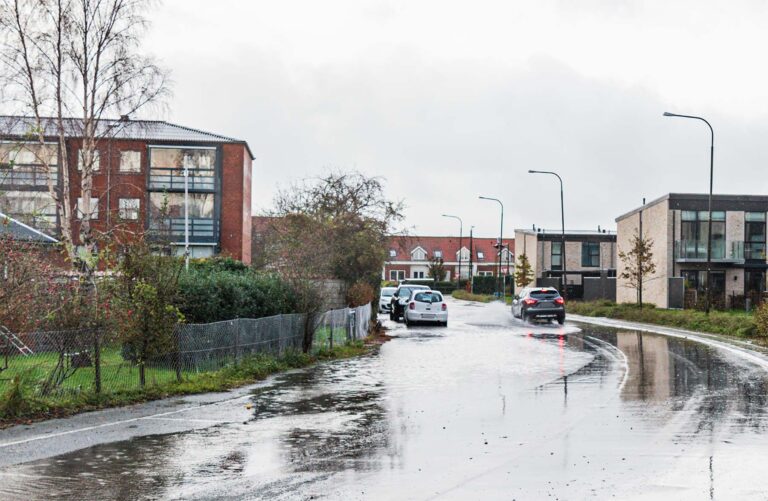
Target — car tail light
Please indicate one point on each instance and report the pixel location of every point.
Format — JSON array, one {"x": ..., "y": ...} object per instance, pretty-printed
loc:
[
  {"x": 559, "y": 300},
  {"x": 445, "y": 307},
  {"x": 412, "y": 306},
  {"x": 530, "y": 301}
]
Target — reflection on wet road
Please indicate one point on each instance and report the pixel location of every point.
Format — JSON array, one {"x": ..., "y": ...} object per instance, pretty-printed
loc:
[{"x": 487, "y": 408}]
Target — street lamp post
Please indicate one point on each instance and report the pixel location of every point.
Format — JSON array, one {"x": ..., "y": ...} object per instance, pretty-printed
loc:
[
  {"x": 471, "y": 265},
  {"x": 501, "y": 242},
  {"x": 461, "y": 235},
  {"x": 186, "y": 217},
  {"x": 562, "y": 227},
  {"x": 709, "y": 222}
]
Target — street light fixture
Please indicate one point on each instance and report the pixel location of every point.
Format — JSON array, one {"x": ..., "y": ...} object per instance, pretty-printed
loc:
[
  {"x": 461, "y": 235},
  {"x": 709, "y": 223},
  {"x": 501, "y": 242},
  {"x": 562, "y": 223}
]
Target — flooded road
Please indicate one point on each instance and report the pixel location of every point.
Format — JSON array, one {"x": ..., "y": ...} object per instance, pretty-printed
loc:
[{"x": 487, "y": 408}]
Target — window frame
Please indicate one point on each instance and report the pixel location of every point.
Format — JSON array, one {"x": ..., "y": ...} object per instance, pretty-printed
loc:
[
  {"x": 399, "y": 275},
  {"x": 94, "y": 209},
  {"x": 120, "y": 168},
  {"x": 590, "y": 259},
  {"x": 122, "y": 211},
  {"x": 96, "y": 161},
  {"x": 552, "y": 254}
]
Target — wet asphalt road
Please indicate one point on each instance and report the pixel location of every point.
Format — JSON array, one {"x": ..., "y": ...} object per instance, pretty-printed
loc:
[{"x": 488, "y": 408}]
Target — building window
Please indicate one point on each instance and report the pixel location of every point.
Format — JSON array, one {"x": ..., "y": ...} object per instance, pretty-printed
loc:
[
  {"x": 694, "y": 227},
  {"x": 35, "y": 208},
  {"x": 28, "y": 164},
  {"x": 166, "y": 214},
  {"x": 166, "y": 168},
  {"x": 396, "y": 275},
  {"x": 94, "y": 209},
  {"x": 417, "y": 274},
  {"x": 697, "y": 280},
  {"x": 485, "y": 274},
  {"x": 438, "y": 254},
  {"x": 557, "y": 255},
  {"x": 754, "y": 235},
  {"x": 418, "y": 254},
  {"x": 130, "y": 161},
  {"x": 590, "y": 254},
  {"x": 129, "y": 208},
  {"x": 392, "y": 253},
  {"x": 480, "y": 255},
  {"x": 81, "y": 161}
]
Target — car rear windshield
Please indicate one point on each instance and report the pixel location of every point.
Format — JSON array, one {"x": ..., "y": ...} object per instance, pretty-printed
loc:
[
  {"x": 428, "y": 297},
  {"x": 544, "y": 294}
]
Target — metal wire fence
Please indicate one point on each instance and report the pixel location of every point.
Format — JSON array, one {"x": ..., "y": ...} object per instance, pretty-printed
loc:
[{"x": 92, "y": 360}]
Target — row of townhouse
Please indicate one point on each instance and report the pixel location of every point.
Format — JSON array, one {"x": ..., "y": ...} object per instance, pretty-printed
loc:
[
  {"x": 410, "y": 257},
  {"x": 678, "y": 225},
  {"x": 138, "y": 182}
]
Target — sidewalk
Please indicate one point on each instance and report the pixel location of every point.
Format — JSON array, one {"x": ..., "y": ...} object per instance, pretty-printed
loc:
[{"x": 744, "y": 348}]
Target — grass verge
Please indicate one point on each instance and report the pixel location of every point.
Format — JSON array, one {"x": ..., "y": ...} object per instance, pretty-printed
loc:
[
  {"x": 468, "y": 296},
  {"x": 18, "y": 404},
  {"x": 731, "y": 323}
]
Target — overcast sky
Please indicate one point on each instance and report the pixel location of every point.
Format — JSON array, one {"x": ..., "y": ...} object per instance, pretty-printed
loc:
[{"x": 451, "y": 100}]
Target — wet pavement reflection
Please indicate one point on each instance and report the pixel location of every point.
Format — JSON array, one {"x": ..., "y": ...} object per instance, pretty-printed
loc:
[{"x": 487, "y": 408}]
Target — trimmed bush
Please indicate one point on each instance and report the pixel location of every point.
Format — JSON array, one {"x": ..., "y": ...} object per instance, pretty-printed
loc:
[{"x": 210, "y": 295}]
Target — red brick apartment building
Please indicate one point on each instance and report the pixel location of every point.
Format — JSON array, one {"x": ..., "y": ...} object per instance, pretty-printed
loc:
[
  {"x": 138, "y": 182},
  {"x": 409, "y": 257}
]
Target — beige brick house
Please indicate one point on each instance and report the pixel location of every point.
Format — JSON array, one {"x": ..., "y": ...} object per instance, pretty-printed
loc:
[{"x": 678, "y": 224}]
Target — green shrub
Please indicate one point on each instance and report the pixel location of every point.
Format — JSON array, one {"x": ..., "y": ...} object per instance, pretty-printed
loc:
[
  {"x": 761, "y": 320},
  {"x": 210, "y": 295},
  {"x": 359, "y": 294},
  {"x": 468, "y": 296}
]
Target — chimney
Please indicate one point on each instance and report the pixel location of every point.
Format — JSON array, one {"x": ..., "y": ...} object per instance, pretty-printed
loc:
[{"x": 125, "y": 118}]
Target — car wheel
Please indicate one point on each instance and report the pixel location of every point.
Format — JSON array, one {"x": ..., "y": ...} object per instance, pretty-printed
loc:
[
  {"x": 561, "y": 319},
  {"x": 445, "y": 324}
]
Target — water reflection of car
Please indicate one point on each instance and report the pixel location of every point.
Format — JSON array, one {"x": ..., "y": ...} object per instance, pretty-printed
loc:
[
  {"x": 539, "y": 302},
  {"x": 400, "y": 299},
  {"x": 426, "y": 306},
  {"x": 385, "y": 299}
]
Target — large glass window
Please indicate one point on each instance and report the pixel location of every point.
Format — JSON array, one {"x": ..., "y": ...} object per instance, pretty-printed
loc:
[
  {"x": 93, "y": 210},
  {"x": 557, "y": 255},
  {"x": 590, "y": 254},
  {"x": 28, "y": 164},
  {"x": 694, "y": 229},
  {"x": 167, "y": 168},
  {"x": 754, "y": 235},
  {"x": 34, "y": 208},
  {"x": 166, "y": 214},
  {"x": 94, "y": 161},
  {"x": 130, "y": 161}
]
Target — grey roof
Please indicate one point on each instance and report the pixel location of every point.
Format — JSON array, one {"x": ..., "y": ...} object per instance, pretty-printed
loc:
[
  {"x": 20, "y": 231},
  {"x": 699, "y": 201},
  {"x": 140, "y": 130}
]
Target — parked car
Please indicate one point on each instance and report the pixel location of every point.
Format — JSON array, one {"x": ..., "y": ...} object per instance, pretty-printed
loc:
[
  {"x": 539, "y": 302},
  {"x": 400, "y": 299},
  {"x": 426, "y": 306},
  {"x": 385, "y": 299}
]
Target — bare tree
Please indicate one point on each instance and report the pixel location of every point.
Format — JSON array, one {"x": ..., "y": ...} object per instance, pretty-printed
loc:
[
  {"x": 638, "y": 263},
  {"x": 68, "y": 64}
]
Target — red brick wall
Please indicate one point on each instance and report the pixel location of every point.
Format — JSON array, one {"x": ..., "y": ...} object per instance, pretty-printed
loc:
[{"x": 236, "y": 203}]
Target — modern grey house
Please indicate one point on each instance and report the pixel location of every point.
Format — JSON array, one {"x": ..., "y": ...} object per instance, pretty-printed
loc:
[{"x": 678, "y": 225}]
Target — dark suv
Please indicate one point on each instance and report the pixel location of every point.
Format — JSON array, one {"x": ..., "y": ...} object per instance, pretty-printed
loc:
[
  {"x": 400, "y": 299},
  {"x": 539, "y": 302}
]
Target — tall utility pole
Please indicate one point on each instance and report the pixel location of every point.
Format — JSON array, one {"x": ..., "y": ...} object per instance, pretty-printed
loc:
[
  {"x": 471, "y": 267},
  {"x": 709, "y": 223},
  {"x": 640, "y": 262},
  {"x": 562, "y": 222},
  {"x": 499, "y": 287},
  {"x": 461, "y": 233}
]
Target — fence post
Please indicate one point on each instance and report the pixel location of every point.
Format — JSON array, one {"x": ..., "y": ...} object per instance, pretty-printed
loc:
[
  {"x": 177, "y": 354},
  {"x": 238, "y": 326},
  {"x": 96, "y": 362}
]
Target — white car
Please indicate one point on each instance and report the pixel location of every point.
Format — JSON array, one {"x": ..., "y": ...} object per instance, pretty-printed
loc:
[
  {"x": 385, "y": 299},
  {"x": 426, "y": 306}
]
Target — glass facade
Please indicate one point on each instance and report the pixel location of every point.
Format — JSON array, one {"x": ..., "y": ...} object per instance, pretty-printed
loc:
[
  {"x": 28, "y": 164},
  {"x": 694, "y": 228},
  {"x": 166, "y": 215},
  {"x": 167, "y": 165},
  {"x": 754, "y": 235}
]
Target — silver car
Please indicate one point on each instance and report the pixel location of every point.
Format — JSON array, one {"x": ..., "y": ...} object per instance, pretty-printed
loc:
[{"x": 426, "y": 306}]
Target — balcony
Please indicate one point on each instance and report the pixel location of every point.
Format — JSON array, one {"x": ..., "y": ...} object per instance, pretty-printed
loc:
[
  {"x": 200, "y": 229},
  {"x": 26, "y": 177},
  {"x": 172, "y": 179},
  {"x": 754, "y": 251},
  {"x": 692, "y": 251}
]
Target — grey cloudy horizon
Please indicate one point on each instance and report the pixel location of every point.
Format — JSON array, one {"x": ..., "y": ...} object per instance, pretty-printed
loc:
[{"x": 451, "y": 100}]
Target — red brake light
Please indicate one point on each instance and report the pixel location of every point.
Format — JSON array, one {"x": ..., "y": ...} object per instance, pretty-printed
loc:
[
  {"x": 559, "y": 300},
  {"x": 529, "y": 301},
  {"x": 412, "y": 306},
  {"x": 445, "y": 307}
]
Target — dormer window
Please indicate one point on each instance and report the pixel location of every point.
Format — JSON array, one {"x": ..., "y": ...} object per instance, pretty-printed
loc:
[
  {"x": 392, "y": 253},
  {"x": 418, "y": 254},
  {"x": 438, "y": 254},
  {"x": 480, "y": 255},
  {"x": 463, "y": 254}
]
